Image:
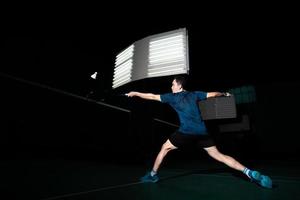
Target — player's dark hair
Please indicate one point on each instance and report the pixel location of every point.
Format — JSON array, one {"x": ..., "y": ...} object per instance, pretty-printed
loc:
[{"x": 181, "y": 80}]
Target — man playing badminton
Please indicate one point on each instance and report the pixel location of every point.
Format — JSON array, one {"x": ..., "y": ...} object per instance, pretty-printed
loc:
[{"x": 192, "y": 130}]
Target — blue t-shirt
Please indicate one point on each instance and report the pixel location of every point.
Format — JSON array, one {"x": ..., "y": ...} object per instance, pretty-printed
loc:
[{"x": 186, "y": 105}]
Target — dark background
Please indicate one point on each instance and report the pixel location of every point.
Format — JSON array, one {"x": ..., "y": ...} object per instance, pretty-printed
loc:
[{"x": 47, "y": 108}]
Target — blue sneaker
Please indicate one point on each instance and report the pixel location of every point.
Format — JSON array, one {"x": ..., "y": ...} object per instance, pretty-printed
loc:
[
  {"x": 262, "y": 180},
  {"x": 149, "y": 178},
  {"x": 266, "y": 181},
  {"x": 255, "y": 176}
]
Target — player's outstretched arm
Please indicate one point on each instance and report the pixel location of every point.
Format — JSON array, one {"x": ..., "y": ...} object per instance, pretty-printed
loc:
[
  {"x": 218, "y": 94},
  {"x": 147, "y": 96}
]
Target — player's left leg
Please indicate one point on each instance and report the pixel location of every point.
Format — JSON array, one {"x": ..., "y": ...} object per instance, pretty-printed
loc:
[{"x": 255, "y": 176}]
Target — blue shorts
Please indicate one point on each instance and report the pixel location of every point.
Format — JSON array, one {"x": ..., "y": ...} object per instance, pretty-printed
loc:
[{"x": 180, "y": 140}]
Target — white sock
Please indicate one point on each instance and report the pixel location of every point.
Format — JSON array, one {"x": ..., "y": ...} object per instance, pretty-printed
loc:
[
  {"x": 247, "y": 172},
  {"x": 152, "y": 173}
]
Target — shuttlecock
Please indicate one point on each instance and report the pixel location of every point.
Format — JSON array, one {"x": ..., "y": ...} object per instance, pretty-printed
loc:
[{"x": 93, "y": 76}]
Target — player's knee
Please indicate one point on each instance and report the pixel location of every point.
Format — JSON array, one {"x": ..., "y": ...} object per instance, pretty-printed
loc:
[
  {"x": 212, "y": 154},
  {"x": 166, "y": 148},
  {"x": 215, "y": 154}
]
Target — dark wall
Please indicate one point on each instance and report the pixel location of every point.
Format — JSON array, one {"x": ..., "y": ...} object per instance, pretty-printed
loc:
[
  {"x": 43, "y": 121},
  {"x": 277, "y": 118}
]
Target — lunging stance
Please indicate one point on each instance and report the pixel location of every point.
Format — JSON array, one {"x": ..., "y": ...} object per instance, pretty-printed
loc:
[{"x": 192, "y": 130}]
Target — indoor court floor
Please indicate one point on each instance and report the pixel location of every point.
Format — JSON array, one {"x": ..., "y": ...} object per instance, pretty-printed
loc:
[{"x": 75, "y": 179}]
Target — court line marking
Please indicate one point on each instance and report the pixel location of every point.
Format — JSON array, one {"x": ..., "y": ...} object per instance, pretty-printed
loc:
[
  {"x": 113, "y": 187},
  {"x": 94, "y": 190}
]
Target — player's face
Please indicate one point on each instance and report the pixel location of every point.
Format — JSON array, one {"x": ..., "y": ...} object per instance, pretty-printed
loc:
[{"x": 176, "y": 87}]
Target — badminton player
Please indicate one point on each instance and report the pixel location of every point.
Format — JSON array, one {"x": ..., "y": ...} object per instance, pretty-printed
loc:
[{"x": 192, "y": 130}]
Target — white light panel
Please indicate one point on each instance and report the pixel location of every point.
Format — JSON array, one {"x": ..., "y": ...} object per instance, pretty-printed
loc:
[
  {"x": 123, "y": 67},
  {"x": 157, "y": 55}
]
